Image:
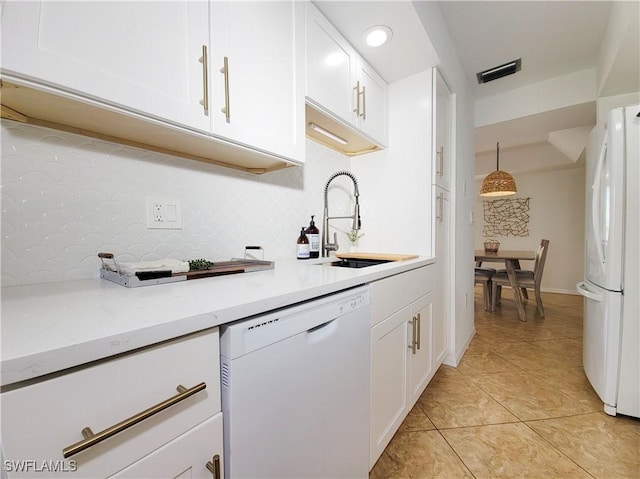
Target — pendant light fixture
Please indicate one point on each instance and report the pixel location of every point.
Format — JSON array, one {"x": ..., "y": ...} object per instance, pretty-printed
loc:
[{"x": 498, "y": 183}]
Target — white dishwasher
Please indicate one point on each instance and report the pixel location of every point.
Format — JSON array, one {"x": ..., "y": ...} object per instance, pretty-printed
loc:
[{"x": 295, "y": 390}]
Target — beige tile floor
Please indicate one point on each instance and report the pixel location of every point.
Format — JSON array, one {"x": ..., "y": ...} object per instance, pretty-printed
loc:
[{"x": 518, "y": 405}]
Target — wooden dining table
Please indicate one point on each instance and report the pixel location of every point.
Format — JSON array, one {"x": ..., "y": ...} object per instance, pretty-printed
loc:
[{"x": 511, "y": 260}]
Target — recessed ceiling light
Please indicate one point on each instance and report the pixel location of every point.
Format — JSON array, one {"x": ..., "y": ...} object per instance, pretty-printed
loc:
[{"x": 378, "y": 35}]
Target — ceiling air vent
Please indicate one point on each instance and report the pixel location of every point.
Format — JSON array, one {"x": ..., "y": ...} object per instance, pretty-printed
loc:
[{"x": 500, "y": 71}]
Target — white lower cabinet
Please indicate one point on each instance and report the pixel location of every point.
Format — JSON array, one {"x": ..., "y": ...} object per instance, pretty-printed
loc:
[
  {"x": 144, "y": 410},
  {"x": 389, "y": 379},
  {"x": 402, "y": 360},
  {"x": 184, "y": 457},
  {"x": 421, "y": 349}
]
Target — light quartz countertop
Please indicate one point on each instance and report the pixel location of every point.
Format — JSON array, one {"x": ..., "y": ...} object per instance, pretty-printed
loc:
[{"x": 49, "y": 327}]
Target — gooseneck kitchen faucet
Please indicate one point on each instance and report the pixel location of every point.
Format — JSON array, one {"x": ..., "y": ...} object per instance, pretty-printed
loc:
[{"x": 326, "y": 245}]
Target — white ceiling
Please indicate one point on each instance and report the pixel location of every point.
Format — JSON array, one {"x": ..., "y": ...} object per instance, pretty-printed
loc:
[{"x": 553, "y": 38}]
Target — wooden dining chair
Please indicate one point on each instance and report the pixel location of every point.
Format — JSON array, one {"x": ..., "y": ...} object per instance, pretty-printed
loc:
[
  {"x": 526, "y": 278},
  {"x": 483, "y": 277}
]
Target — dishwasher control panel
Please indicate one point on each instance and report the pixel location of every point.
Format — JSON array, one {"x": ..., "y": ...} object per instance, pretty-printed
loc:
[
  {"x": 353, "y": 303},
  {"x": 251, "y": 334}
]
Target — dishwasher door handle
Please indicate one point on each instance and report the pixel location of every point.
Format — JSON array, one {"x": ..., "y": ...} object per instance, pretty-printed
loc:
[{"x": 322, "y": 331}]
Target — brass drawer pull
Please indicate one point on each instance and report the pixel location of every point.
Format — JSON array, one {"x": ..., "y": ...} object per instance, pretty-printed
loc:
[
  {"x": 227, "y": 108},
  {"x": 356, "y": 89},
  {"x": 440, "y": 211},
  {"x": 214, "y": 466},
  {"x": 205, "y": 80},
  {"x": 440, "y": 158},
  {"x": 414, "y": 327},
  {"x": 91, "y": 439}
]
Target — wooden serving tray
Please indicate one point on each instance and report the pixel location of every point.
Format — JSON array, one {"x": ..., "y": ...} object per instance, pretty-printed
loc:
[
  {"x": 218, "y": 268},
  {"x": 382, "y": 256}
]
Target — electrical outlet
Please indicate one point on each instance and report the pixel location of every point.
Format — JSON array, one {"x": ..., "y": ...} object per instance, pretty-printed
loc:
[
  {"x": 163, "y": 213},
  {"x": 157, "y": 213}
]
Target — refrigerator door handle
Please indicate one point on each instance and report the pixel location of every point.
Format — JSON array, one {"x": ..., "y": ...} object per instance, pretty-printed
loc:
[
  {"x": 581, "y": 287},
  {"x": 596, "y": 216}
]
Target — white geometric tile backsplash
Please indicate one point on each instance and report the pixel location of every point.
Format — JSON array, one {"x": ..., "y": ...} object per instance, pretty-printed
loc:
[{"x": 66, "y": 197}]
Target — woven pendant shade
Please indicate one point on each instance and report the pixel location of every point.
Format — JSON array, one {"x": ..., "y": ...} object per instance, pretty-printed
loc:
[{"x": 498, "y": 183}]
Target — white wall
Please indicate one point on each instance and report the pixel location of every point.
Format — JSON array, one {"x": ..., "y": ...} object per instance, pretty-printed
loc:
[
  {"x": 397, "y": 180},
  {"x": 557, "y": 214},
  {"x": 66, "y": 197}
]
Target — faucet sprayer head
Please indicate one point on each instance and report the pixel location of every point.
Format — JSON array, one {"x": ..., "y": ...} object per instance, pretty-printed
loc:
[{"x": 357, "y": 224}]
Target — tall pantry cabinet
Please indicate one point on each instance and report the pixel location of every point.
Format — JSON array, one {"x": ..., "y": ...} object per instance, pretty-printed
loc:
[
  {"x": 442, "y": 154},
  {"x": 410, "y": 330}
]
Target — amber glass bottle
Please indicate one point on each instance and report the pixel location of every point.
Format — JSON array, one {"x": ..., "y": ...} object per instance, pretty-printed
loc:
[
  {"x": 303, "y": 245},
  {"x": 313, "y": 233}
]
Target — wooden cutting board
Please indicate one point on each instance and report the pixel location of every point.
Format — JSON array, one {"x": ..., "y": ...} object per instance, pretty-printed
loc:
[
  {"x": 220, "y": 268},
  {"x": 384, "y": 256}
]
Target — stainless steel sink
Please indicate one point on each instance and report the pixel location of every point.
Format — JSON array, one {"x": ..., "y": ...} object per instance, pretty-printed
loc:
[{"x": 357, "y": 263}]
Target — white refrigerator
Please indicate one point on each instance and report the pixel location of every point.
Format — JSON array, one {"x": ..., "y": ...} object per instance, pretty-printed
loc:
[{"x": 611, "y": 288}]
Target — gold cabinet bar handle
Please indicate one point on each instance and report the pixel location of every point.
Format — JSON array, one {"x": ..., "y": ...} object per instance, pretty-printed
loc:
[
  {"x": 205, "y": 80},
  {"x": 440, "y": 158},
  {"x": 418, "y": 320},
  {"x": 91, "y": 439},
  {"x": 364, "y": 103},
  {"x": 412, "y": 346},
  {"x": 225, "y": 71},
  {"x": 356, "y": 110},
  {"x": 214, "y": 466},
  {"x": 440, "y": 208}
]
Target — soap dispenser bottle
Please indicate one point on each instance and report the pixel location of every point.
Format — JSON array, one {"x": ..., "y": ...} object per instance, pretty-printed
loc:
[
  {"x": 313, "y": 233},
  {"x": 303, "y": 245}
]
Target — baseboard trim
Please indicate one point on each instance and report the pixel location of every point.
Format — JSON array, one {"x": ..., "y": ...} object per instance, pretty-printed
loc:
[{"x": 453, "y": 360}]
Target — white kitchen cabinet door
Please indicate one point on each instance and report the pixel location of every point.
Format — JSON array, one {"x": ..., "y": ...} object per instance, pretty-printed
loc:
[
  {"x": 442, "y": 131},
  {"x": 398, "y": 374},
  {"x": 331, "y": 67},
  {"x": 340, "y": 83},
  {"x": 184, "y": 457},
  {"x": 371, "y": 109},
  {"x": 421, "y": 368},
  {"x": 389, "y": 402},
  {"x": 442, "y": 318},
  {"x": 142, "y": 56},
  {"x": 259, "y": 99}
]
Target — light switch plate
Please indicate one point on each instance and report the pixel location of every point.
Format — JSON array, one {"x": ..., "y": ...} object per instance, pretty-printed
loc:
[{"x": 164, "y": 213}]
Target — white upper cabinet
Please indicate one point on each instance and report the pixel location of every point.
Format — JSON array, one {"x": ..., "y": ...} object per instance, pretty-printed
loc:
[
  {"x": 372, "y": 106},
  {"x": 257, "y": 98},
  {"x": 442, "y": 132},
  {"x": 214, "y": 81},
  {"x": 140, "y": 56},
  {"x": 340, "y": 83},
  {"x": 331, "y": 64}
]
